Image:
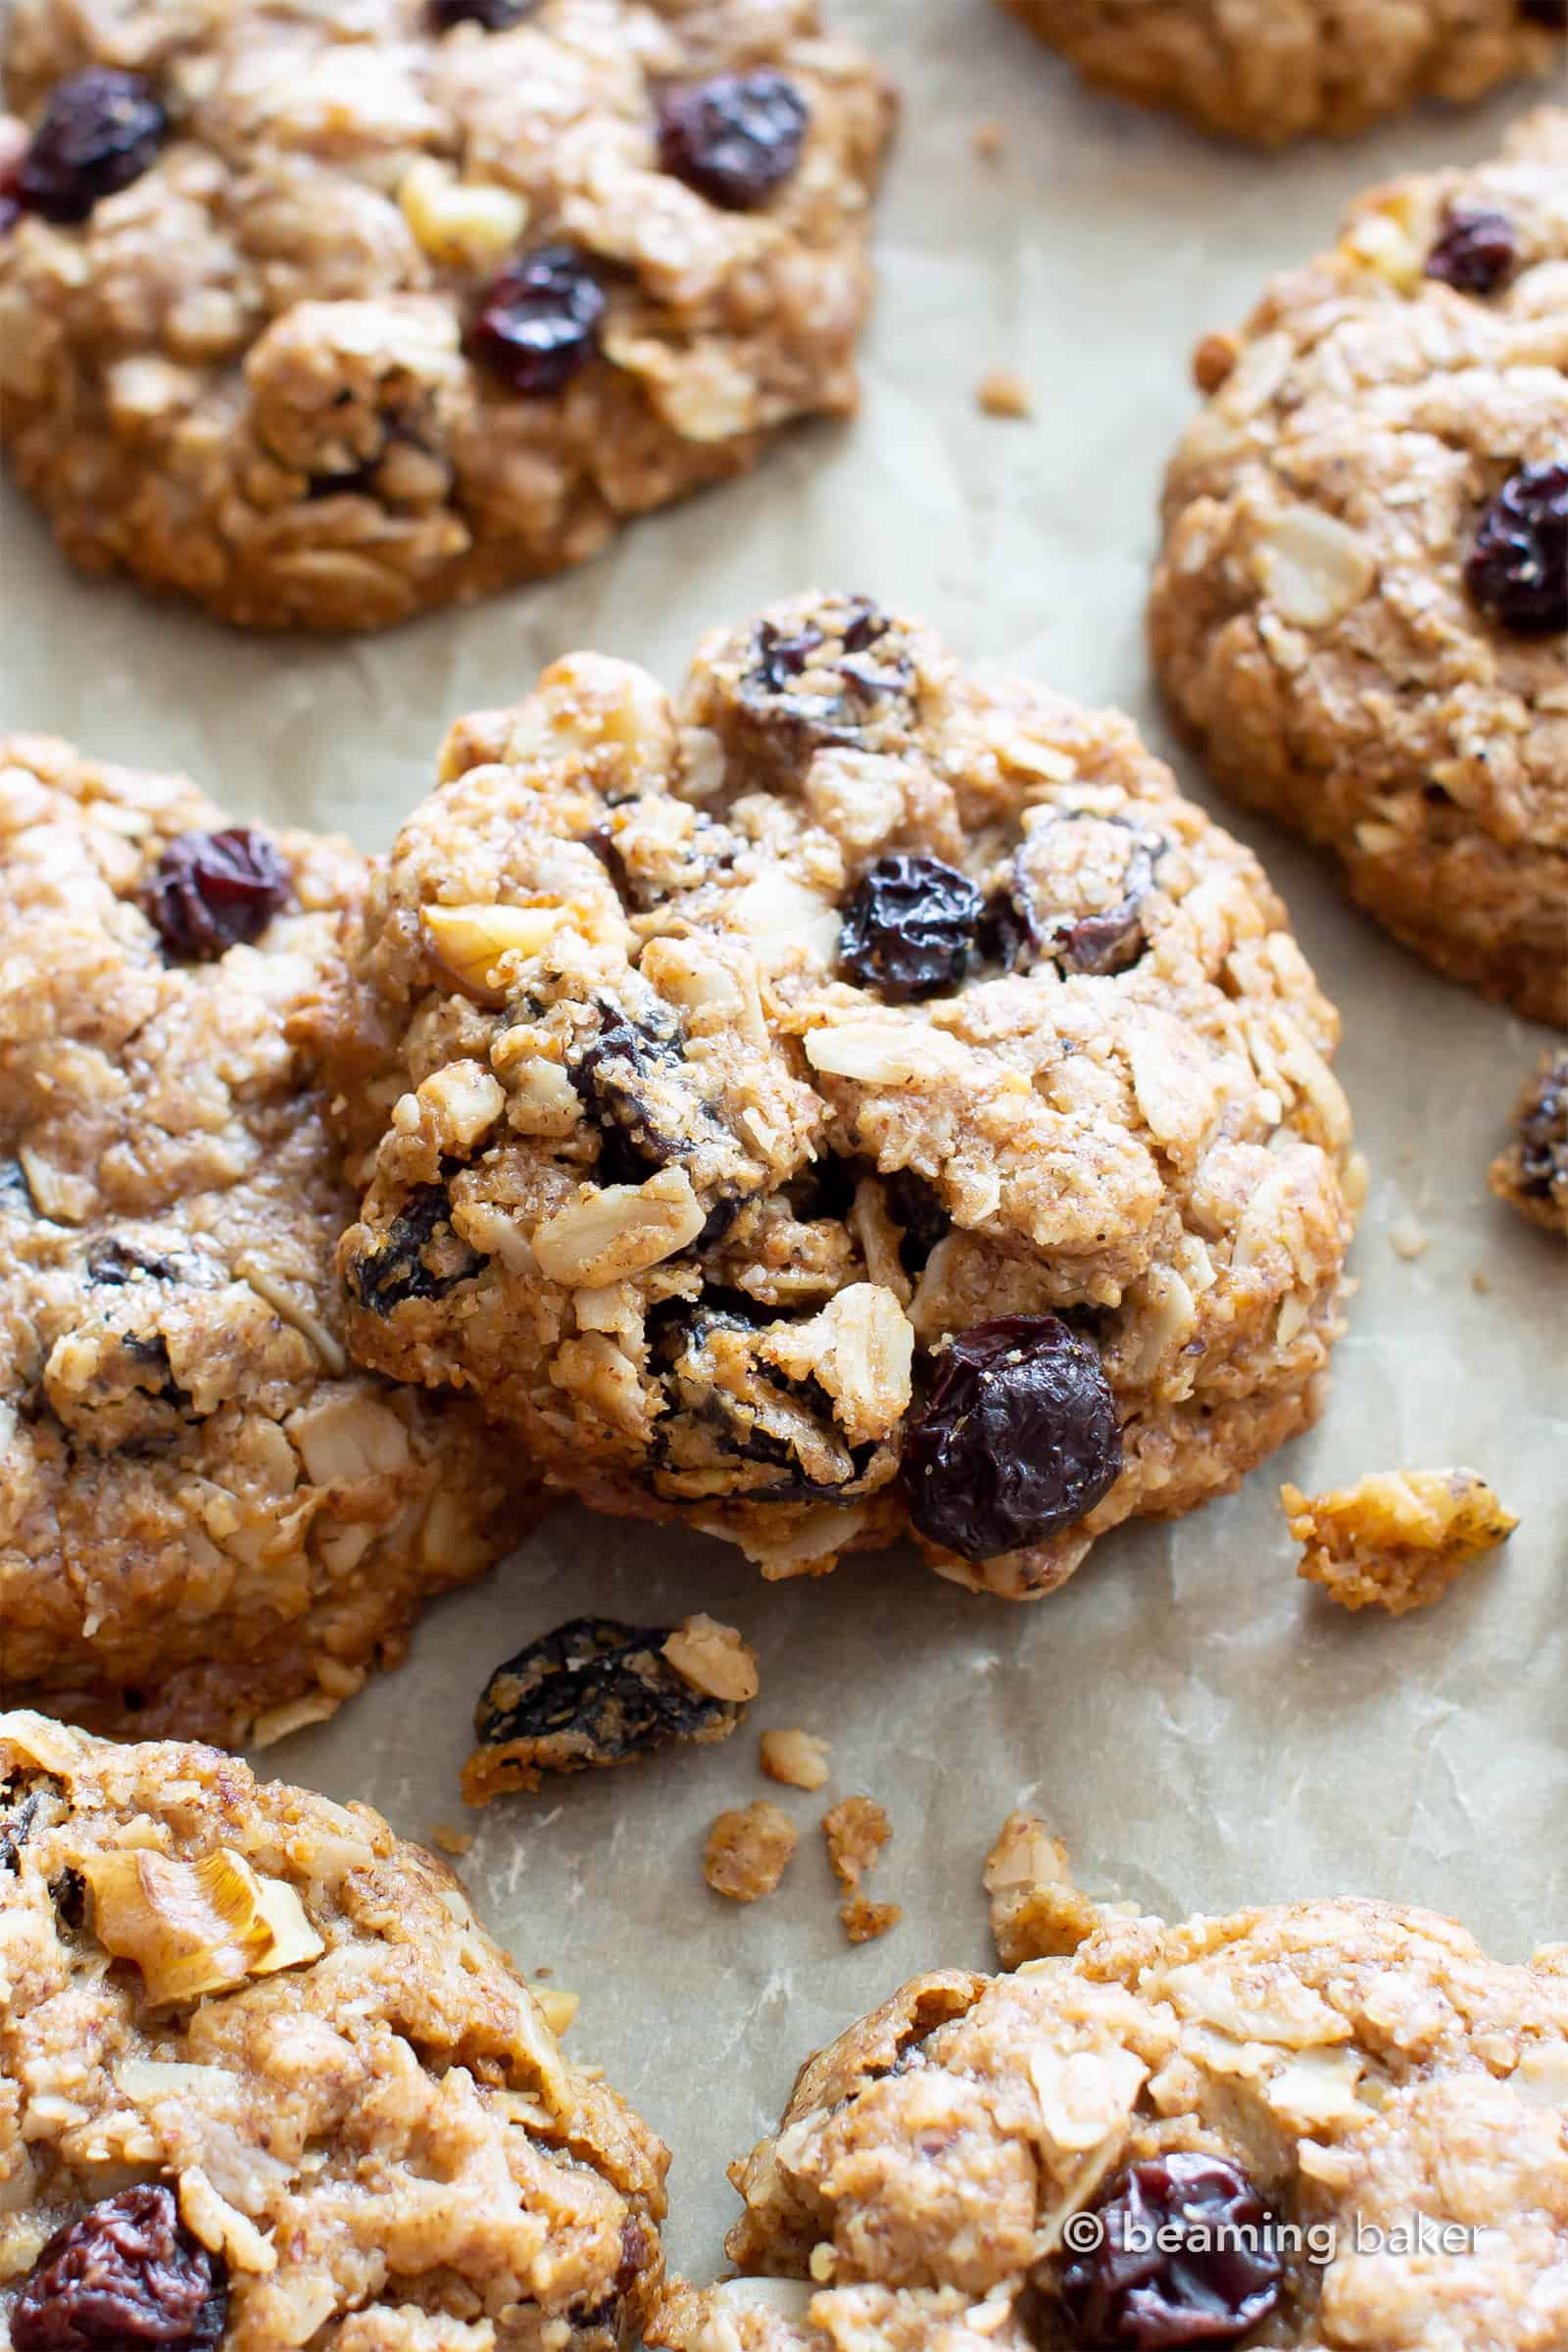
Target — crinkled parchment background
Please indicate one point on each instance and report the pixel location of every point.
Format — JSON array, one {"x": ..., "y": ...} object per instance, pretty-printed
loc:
[{"x": 1203, "y": 1730}]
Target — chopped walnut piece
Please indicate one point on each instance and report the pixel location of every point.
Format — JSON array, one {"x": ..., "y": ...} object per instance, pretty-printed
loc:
[
  {"x": 1036, "y": 1910},
  {"x": 1397, "y": 1540},
  {"x": 794, "y": 1757},
  {"x": 713, "y": 1657},
  {"x": 856, "y": 1829},
  {"x": 748, "y": 1851},
  {"x": 1003, "y": 392}
]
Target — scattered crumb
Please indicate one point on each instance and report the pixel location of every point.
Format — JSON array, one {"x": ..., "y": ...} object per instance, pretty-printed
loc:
[
  {"x": 1036, "y": 1910},
  {"x": 748, "y": 1851},
  {"x": 1397, "y": 1539},
  {"x": 990, "y": 139},
  {"x": 794, "y": 1757},
  {"x": 1481, "y": 1282},
  {"x": 714, "y": 1658},
  {"x": 1003, "y": 392},
  {"x": 450, "y": 1840},
  {"x": 1213, "y": 361},
  {"x": 1408, "y": 1238},
  {"x": 856, "y": 1829}
]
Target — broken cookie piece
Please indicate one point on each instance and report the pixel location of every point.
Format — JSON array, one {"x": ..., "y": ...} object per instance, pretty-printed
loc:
[
  {"x": 1397, "y": 1540},
  {"x": 856, "y": 1829},
  {"x": 1532, "y": 1174},
  {"x": 596, "y": 1692},
  {"x": 748, "y": 1851},
  {"x": 1035, "y": 1907}
]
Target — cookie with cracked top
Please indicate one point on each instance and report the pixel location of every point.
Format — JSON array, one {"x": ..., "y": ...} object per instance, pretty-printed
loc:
[
  {"x": 843, "y": 1101},
  {"x": 210, "y": 1520},
  {"x": 311, "y": 2099},
  {"x": 1360, "y": 609},
  {"x": 1270, "y": 70},
  {"x": 326, "y": 317}
]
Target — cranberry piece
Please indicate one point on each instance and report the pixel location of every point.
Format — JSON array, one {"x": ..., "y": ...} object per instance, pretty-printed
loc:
[
  {"x": 1212, "y": 2290},
  {"x": 1517, "y": 568},
  {"x": 127, "y": 2273},
  {"x": 100, "y": 130},
  {"x": 209, "y": 890},
  {"x": 1554, "y": 14},
  {"x": 495, "y": 16},
  {"x": 734, "y": 138},
  {"x": 540, "y": 321},
  {"x": 911, "y": 927},
  {"x": 1018, "y": 1438},
  {"x": 1476, "y": 252}
]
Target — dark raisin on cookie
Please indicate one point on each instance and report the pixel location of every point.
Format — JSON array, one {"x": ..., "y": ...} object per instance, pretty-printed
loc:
[
  {"x": 1475, "y": 252},
  {"x": 830, "y": 680},
  {"x": 611, "y": 1076},
  {"x": 911, "y": 927},
  {"x": 1113, "y": 941},
  {"x": 19, "y": 1810},
  {"x": 913, "y": 1204},
  {"x": 67, "y": 1889},
  {"x": 421, "y": 1255},
  {"x": 1018, "y": 1438},
  {"x": 1543, "y": 1131},
  {"x": 539, "y": 321},
  {"x": 491, "y": 15},
  {"x": 213, "y": 891},
  {"x": 1552, "y": 13},
  {"x": 1185, "y": 2258},
  {"x": 734, "y": 138},
  {"x": 127, "y": 2273},
  {"x": 1517, "y": 568},
  {"x": 593, "y": 1691},
  {"x": 100, "y": 130}
]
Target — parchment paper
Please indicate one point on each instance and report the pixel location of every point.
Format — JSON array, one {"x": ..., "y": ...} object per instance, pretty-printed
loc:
[{"x": 1203, "y": 1730}]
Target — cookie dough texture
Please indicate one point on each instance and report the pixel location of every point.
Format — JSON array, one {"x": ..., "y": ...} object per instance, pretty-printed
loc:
[
  {"x": 365, "y": 2117},
  {"x": 1268, "y": 71},
  {"x": 1311, "y": 622},
  {"x": 1354, "y": 2059},
  {"x": 690, "y": 1207},
  {"x": 246, "y": 377},
  {"x": 211, "y": 1521}
]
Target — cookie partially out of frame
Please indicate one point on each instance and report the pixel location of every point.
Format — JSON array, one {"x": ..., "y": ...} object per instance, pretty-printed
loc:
[
  {"x": 1360, "y": 611},
  {"x": 1268, "y": 71},
  {"x": 328, "y": 315},
  {"x": 264, "y": 2080},
  {"x": 211, "y": 1522},
  {"x": 1289, "y": 2094},
  {"x": 850, "y": 1099}
]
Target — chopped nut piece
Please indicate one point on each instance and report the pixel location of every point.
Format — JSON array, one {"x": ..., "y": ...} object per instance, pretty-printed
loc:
[
  {"x": 856, "y": 1829},
  {"x": 794, "y": 1757},
  {"x": 196, "y": 1927},
  {"x": 1036, "y": 1910},
  {"x": 714, "y": 1658},
  {"x": 748, "y": 1851},
  {"x": 1003, "y": 392},
  {"x": 1397, "y": 1539},
  {"x": 472, "y": 943}
]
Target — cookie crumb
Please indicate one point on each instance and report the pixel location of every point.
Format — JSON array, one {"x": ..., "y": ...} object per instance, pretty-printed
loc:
[
  {"x": 794, "y": 1757},
  {"x": 1003, "y": 392},
  {"x": 1531, "y": 1175},
  {"x": 1213, "y": 361},
  {"x": 990, "y": 140},
  {"x": 1397, "y": 1539},
  {"x": 856, "y": 1829},
  {"x": 713, "y": 1658},
  {"x": 1408, "y": 1238},
  {"x": 1036, "y": 1910},
  {"x": 748, "y": 1851},
  {"x": 451, "y": 1840}
]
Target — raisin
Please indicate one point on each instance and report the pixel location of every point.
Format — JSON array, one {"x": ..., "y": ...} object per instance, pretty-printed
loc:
[
  {"x": 1543, "y": 1135},
  {"x": 1213, "y": 2291},
  {"x": 735, "y": 138},
  {"x": 100, "y": 130},
  {"x": 1554, "y": 14},
  {"x": 494, "y": 16},
  {"x": 611, "y": 1076},
  {"x": 911, "y": 927},
  {"x": 212, "y": 890},
  {"x": 116, "y": 1263},
  {"x": 17, "y": 1817},
  {"x": 1101, "y": 945},
  {"x": 1517, "y": 568},
  {"x": 539, "y": 323},
  {"x": 592, "y": 1692},
  {"x": 1476, "y": 252},
  {"x": 127, "y": 2273},
  {"x": 419, "y": 1257},
  {"x": 855, "y": 673},
  {"x": 1016, "y": 1438},
  {"x": 913, "y": 1203},
  {"x": 69, "y": 1893}
]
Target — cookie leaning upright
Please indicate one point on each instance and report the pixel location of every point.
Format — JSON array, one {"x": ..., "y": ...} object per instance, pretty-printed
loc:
[
  {"x": 266, "y": 2080},
  {"x": 1268, "y": 71},
  {"x": 1360, "y": 611},
  {"x": 854, "y": 1096},
  {"x": 211, "y": 1522},
  {"x": 327, "y": 316}
]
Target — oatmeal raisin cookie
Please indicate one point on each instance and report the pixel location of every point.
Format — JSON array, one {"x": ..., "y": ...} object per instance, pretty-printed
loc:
[
  {"x": 327, "y": 315},
  {"x": 264, "y": 2080},
  {"x": 211, "y": 1521},
  {"x": 850, "y": 1097},
  {"x": 1361, "y": 613}
]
